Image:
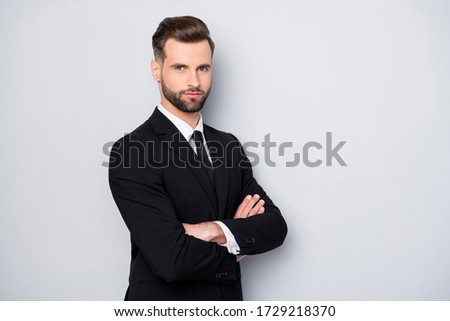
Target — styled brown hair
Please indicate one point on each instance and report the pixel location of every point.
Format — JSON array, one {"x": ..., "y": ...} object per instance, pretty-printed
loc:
[{"x": 184, "y": 29}]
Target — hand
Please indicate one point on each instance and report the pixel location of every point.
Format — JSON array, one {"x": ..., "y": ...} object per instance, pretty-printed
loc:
[
  {"x": 206, "y": 231},
  {"x": 251, "y": 205},
  {"x": 240, "y": 257}
]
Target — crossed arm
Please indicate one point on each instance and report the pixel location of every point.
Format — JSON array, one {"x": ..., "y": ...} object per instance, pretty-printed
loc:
[
  {"x": 212, "y": 232},
  {"x": 181, "y": 251}
]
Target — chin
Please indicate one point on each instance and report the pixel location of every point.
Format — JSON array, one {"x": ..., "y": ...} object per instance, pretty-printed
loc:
[{"x": 194, "y": 110}]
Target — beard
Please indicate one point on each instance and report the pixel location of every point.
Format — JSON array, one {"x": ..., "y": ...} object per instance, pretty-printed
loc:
[{"x": 190, "y": 105}]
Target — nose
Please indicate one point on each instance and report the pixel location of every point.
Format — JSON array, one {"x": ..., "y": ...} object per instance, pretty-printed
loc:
[{"x": 193, "y": 79}]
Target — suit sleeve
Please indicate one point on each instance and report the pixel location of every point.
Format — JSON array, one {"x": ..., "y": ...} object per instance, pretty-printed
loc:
[
  {"x": 150, "y": 216},
  {"x": 259, "y": 233}
]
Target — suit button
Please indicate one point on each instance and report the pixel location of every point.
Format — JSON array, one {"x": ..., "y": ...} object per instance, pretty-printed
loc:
[{"x": 250, "y": 240}]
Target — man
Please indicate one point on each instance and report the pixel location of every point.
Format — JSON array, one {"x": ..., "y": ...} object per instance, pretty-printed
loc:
[{"x": 186, "y": 190}]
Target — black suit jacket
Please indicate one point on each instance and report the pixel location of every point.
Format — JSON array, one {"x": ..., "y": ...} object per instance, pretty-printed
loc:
[{"x": 157, "y": 184}]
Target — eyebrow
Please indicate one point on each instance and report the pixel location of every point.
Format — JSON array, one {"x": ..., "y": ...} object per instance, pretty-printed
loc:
[
  {"x": 205, "y": 66},
  {"x": 184, "y": 65},
  {"x": 177, "y": 64}
]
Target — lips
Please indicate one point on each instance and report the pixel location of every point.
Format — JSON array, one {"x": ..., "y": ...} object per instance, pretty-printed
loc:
[{"x": 192, "y": 94}]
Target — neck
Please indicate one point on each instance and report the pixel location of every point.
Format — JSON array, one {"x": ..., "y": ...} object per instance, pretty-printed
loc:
[{"x": 190, "y": 118}]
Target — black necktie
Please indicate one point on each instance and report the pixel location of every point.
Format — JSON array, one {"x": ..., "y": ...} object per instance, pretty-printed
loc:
[{"x": 202, "y": 155}]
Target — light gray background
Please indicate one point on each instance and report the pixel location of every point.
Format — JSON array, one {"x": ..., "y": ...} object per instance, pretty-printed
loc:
[{"x": 75, "y": 75}]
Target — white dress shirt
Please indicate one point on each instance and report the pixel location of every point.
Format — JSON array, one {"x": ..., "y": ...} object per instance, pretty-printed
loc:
[{"x": 187, "y": 131}]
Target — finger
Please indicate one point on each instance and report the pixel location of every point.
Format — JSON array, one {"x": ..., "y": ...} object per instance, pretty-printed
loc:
[
  {"x": 261, "y": 210},
  {"x": 256, "y": 208},
  {"x": 240, "y": 209},
  {"x": 250, "y": 205}
]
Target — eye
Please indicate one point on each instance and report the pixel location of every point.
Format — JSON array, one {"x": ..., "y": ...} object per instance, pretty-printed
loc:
[
  {"x": 179, "y": 68},
  {"x": 203, "y": 68}
]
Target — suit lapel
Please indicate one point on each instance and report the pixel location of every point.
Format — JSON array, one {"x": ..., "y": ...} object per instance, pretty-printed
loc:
[
  {"x": 184, "y": 155},
  {"x": 218, "y": 155}
]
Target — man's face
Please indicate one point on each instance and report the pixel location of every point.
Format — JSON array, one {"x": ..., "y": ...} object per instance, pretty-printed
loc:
[{"x": 186, "y": 74}]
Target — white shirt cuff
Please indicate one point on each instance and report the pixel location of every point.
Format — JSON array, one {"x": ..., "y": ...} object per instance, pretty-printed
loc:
[{"x": 231, "y": 245}]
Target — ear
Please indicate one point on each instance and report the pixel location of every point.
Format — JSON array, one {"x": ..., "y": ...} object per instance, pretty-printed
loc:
[{"x": 156, "y": 70}]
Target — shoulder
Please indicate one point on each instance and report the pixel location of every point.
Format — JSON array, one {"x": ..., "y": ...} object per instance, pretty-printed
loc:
[
  {"x": 136, "y": 149},
  {"x": 142, "y": 133}
]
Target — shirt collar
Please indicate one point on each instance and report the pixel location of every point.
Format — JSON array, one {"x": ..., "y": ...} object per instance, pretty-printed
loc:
[{"x": 184, "y": 128}]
